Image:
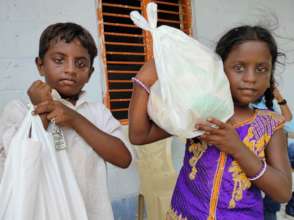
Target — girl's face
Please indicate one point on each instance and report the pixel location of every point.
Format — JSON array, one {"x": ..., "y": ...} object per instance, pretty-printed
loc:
[
  {"x": 248, "y": 68},
  {"x": 66, "y": 67}
]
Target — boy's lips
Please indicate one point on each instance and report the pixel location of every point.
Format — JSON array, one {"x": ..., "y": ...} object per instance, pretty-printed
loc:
[{"x": 67, "y": 82}]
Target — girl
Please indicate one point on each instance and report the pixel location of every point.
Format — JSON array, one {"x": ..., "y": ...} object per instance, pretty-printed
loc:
[
  {"x": 92, "y": 135},
  {"x": 280, "y": 105},
  {"x": 223, "y": 179}
]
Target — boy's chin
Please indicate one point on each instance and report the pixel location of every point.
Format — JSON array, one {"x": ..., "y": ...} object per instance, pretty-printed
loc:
[{"x": 67, "y": 95}]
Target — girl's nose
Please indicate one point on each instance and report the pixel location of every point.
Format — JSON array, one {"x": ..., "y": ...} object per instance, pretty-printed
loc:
[{"x": 249, "y": 76}]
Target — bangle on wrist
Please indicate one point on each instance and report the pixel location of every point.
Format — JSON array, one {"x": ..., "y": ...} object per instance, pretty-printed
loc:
[
  {"x": 260, "y": 173},
  {"x": 283, "y": 102},
  {"x": 140, "y": 83}
]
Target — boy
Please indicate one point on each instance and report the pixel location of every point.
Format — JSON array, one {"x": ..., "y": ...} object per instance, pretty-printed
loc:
[{"x": 93, "y": 136}]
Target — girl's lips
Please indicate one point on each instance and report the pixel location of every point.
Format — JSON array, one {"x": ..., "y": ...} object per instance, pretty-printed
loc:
[{"x": 248, "y": 91}]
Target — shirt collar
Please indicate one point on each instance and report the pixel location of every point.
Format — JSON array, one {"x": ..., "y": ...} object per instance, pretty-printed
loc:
[{"x": 83, "y": 98}]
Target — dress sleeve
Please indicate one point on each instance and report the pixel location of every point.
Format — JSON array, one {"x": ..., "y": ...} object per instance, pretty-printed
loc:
[
  {"x": 10, "y": 119},
  {"x": 278, "y": 121}
]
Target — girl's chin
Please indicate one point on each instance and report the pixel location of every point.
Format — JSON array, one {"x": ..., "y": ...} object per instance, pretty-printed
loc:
[{"x": 243, "y": 103}]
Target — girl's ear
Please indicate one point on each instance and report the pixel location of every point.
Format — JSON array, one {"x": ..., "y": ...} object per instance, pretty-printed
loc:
[{"x": 39, "y": 64}]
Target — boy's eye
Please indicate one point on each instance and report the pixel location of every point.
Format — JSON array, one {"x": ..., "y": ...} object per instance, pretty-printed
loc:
[
  {"x": 58, "y": 60},
  {"x": 238, "y": 68},
  {"x": 81, "y": 63}
]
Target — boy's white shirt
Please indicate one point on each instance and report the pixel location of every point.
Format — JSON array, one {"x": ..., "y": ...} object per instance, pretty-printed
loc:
[{"x": 89, "y": 167}]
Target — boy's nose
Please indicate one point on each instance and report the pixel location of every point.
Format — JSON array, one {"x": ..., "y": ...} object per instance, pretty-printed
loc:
[{"x": 69, "y": 67}]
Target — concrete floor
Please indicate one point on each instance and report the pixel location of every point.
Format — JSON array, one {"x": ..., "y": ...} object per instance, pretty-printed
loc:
[{"x": 282, "y": 215}]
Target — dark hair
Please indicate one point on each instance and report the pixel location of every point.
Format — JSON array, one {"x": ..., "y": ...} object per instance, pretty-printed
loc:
[
  {"x": 245, "y": 33},
  {"x": 67, "y": 32}
]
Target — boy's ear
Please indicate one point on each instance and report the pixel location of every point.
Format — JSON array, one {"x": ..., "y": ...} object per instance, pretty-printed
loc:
[
  {"x": 90, "y": 72},
  {"x": 39, "y": 64}
]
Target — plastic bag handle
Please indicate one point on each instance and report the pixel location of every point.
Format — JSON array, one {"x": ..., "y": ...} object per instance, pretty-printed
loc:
[{"x": 141, "y": 22}]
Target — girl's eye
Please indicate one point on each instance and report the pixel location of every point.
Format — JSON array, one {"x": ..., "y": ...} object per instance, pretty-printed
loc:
[
  {"x": 261, "y": 69},
  {"x": 238, "y": 68}
]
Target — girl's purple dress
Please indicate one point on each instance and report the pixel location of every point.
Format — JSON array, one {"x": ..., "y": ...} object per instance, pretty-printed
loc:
[{"x": 211, "y": 185}]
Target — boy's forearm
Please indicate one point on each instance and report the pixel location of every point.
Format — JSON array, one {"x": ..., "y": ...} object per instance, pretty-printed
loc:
[
  {"x": 110, "y": 148},
  {"x": 44, "y": 120}
]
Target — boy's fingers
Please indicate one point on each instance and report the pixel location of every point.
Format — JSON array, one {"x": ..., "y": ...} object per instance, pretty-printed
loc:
[
  {"x": 52, "y": 118},
  {"x": 44, "y": 107}
]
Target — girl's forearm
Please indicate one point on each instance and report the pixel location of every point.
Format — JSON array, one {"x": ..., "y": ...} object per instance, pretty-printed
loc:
[
  {"x": 139, "y": 123},
  {"x": 274, "y": 182},
  {"x": 142, "y": 130}
]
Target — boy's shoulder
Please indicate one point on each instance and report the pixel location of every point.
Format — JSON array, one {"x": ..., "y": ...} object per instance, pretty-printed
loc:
[
  {"x": 99, "y": 111},
  {"x": 98, "y": 107},
  {"x": 102, "y": 117},
  {"x": 15, "y": 106},
  {"x": 14, "y": 112}
]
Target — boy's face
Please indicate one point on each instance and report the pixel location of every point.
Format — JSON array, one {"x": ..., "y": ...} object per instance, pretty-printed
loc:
[{"x": 66, "y": 67}]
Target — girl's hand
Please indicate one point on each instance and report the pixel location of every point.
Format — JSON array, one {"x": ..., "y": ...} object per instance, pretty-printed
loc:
[
  {"x": 39, "y": 92},
  {"x": 147, "y": 73},
  {"x": 277, "y": 95},
  {"x": 55, "y": 110},
  {"x": 222, "y": 135}
]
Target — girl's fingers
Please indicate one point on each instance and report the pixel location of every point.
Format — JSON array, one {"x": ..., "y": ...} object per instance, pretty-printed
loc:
[
  {"x": 209, "y": 128},
  {"x": 209, "y": 139},
  {"x": 217, "y": 122}
]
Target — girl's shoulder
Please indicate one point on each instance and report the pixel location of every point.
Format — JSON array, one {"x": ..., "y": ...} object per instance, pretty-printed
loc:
[{"x": 270, "y": 118}]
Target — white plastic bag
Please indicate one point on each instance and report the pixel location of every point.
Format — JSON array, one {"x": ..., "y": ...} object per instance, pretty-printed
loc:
[
  {"x": 191, "y": 86},
  {"x": 38, "y": 182}
]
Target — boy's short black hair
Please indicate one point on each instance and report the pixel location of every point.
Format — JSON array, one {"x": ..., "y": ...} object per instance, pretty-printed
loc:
[{"x": 67, "y": 32}]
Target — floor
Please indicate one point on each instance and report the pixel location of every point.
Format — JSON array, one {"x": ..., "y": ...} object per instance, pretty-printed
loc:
[{"x": 282, "y": 215}]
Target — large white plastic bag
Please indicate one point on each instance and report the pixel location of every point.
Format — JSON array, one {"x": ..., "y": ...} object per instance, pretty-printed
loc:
[
  {"x": 191, "y": 86},
  {"x": 38, "y": 182}
]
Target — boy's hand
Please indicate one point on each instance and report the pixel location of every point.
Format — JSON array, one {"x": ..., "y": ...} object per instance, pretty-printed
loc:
[
  {"x": 57, "y": 112},
  {"x": 222, "y": 135},
  {"x": 39, "y": 92}
]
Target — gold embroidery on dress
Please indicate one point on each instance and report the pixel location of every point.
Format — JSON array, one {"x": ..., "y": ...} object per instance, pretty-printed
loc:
[
  {"x": 197, "y": 149},
  {"x": 241, "y": 181},
  {"x": 172, "y": 215}
]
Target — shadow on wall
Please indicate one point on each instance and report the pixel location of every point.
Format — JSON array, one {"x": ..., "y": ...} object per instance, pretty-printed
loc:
[{"x": 125, "y": 209}]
